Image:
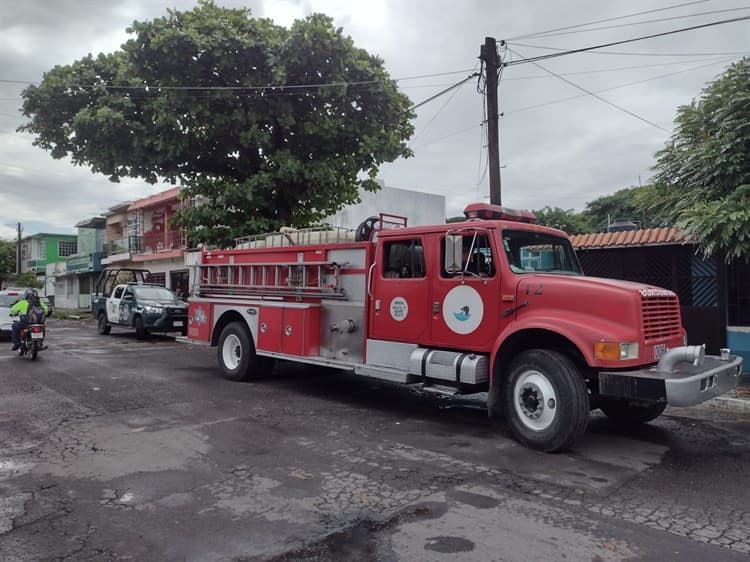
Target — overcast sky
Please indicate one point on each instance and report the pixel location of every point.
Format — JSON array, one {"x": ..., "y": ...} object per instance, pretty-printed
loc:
[{"x": 553, "y": 152}]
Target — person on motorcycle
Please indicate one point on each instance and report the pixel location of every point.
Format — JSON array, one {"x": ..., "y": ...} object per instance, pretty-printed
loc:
[{"x": 24, "y": 308}]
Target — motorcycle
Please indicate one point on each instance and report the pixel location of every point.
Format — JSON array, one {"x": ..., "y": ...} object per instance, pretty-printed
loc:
[{"x": 32, "y": 340}]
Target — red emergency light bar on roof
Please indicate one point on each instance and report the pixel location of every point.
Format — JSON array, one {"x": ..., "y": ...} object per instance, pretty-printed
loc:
[{"x": 487, "y": 211}]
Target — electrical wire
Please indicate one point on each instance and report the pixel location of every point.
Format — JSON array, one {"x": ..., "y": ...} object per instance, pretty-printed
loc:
[
  {"x": 624, "y": 41},
  {"x": 637, "y": 54},
  {"x": 560, "y": 100},
  {"x": 643, "y": 22},
  {"x": 250, "y": 88},
  {"x": 660, "y": 76},
  {"x": 606, "y": 20},
  {"x": 594, "y": 94},
  {"x": 435, "y": 116},
  {"x": 618, "y": 68},
  {"x": 440, "y": 93}
]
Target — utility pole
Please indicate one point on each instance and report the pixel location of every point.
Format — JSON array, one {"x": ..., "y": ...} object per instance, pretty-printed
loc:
[
  {"x": 488, "y": 54},
  {"x": 18, "y": 250}
]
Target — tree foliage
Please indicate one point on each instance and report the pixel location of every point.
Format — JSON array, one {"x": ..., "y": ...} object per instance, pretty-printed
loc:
[
  {"x": 7, "y": 259},
  {"x": 703, "y": 174},
  {"x": 29, "y": 279},
  {"x": 569, "y": 220},
  {"x": 264, "y": 126}
]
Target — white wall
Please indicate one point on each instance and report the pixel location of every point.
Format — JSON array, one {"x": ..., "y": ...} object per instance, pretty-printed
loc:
[{"x": 419, "y": 208}]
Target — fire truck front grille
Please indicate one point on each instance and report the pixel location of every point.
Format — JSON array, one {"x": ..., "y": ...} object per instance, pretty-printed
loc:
[{"x": 661, "y": 317}]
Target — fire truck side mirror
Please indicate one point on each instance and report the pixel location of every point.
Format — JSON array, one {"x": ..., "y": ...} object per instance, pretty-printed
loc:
[{"x": 453, "y": 253}]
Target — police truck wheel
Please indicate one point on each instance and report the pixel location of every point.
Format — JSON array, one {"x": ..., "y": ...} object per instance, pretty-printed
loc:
[
  {"x": 140, "y": 329},
  {"x": 546, "y": 400},
  {"x": 626, "y": 412},
  {"x": 101, "y": 324},
  {"x": 236, "y": 353}
]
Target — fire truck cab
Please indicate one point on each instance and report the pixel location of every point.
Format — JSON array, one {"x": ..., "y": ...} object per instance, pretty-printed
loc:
[{"x": 494, "y": 304}]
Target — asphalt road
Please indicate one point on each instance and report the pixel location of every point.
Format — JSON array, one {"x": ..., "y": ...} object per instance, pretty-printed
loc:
[{"x": 115, "y": 449}]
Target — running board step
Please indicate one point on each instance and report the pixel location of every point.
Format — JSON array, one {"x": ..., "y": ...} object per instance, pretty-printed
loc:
[{"x": 441, "y": 390}]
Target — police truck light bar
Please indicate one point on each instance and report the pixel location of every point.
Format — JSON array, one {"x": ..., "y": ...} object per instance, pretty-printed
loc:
[{"x": 487, "y": 211}]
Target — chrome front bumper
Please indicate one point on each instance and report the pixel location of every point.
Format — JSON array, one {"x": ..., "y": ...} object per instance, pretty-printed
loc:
[{"x": 687, "y": 385}]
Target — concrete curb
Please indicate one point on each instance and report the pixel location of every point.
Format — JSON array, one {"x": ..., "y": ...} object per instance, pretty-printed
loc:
[{"x": 728, "y": 403}]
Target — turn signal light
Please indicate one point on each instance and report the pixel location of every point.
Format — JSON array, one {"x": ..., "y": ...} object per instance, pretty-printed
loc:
[{"x": 611, "y": 351}]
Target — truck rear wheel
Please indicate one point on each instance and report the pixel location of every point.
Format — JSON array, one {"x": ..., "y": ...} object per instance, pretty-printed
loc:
[
  {"x": 546, "y": 400},
  {"x": 628, "y": 412},
  {"x": 101, "y": 324},
  {"x": 236, "y": 353}
]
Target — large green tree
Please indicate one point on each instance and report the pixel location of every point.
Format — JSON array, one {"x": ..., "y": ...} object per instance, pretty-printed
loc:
[
  {"x": 7, "y": 259},
  {"x": 264, "y": 125},
  {"x": 568, "y": 220},
  {"x": 703, "y": 174},
  {"x": 629, "y": 203}
]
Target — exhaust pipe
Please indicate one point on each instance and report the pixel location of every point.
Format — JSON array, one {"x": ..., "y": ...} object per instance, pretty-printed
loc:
[{"x": 694, "y": 354}]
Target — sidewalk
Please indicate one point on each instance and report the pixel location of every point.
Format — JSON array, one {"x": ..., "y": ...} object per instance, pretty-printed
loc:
[{"x": 738, "y": 400}]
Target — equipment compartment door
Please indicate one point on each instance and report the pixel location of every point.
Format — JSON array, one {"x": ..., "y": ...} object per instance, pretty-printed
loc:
[{"x": 400, "y": 292}]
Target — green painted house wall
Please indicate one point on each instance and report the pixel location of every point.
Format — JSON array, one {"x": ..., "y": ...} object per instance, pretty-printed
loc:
[{"x": 43, "y": 249}]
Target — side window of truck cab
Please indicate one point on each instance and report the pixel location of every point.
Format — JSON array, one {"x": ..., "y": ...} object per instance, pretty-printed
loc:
[
  {"x": 403, "y": 259},
  {"x": 475, "y": 258}
]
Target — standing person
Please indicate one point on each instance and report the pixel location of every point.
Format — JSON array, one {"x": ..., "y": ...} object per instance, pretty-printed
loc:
[{"x": 28, "y": 311}]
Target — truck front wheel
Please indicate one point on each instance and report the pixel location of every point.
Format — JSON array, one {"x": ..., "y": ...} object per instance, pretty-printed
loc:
[
  {"x": 140, "y": 329},
  {"x": 236, "y": 353},
  {"x": 628, "y": 412},
  {"x": 101, "y": 324},
  {"x": 546, "y": 400}
]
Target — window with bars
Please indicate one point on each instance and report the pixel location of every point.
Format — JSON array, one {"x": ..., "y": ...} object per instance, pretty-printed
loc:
[{"x": 67, "y": 248}]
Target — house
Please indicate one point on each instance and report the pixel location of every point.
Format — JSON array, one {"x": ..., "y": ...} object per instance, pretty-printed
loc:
[
  {"x": 42, "y": 249},
  {"x": 418, "y": 207},
  {"x": 74, "y": 278},
  {"x": 138, "y": 234}
]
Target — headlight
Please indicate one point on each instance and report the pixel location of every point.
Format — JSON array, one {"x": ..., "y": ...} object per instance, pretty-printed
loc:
[
  {"x": 153, "y": 309},
  {"x": 610, "y": 351}
]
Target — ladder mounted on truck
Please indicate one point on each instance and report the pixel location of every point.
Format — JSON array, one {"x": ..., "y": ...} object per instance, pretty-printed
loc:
[{"x": 289, "y": 279}]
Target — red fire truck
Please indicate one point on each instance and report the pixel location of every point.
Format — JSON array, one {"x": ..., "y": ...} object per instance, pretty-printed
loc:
[{"x": 494, "y": 304}]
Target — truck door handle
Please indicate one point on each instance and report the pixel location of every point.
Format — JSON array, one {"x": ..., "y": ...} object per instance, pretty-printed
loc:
[
  {"x": 436, "y": 307},
  {"x": 369, "y": 280}
]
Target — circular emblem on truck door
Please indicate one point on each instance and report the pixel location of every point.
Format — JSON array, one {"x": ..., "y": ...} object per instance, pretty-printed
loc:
[
  {"x": 399, "y": 309},
  {"x": 463, "y": 309}
]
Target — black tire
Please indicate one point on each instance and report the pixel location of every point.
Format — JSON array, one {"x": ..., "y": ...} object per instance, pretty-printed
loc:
[
  {"x": 628, "y": 412},
  {"x": 34, "y": 350},
  {"x": 140, "y": 331},
  {"x": 102, "y": 325},
  {"x": 546, "y": 400},
  {"x": 236, "y": 354}
]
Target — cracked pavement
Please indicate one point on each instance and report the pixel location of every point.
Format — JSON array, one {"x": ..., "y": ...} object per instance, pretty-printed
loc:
[{"x": 116, "y": 449}]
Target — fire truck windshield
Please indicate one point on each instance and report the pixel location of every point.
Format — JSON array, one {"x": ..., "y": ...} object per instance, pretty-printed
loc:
[{"x": 537, "y": 252}]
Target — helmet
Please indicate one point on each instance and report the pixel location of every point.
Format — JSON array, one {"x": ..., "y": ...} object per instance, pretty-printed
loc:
[{"x": 29, "y": 294}]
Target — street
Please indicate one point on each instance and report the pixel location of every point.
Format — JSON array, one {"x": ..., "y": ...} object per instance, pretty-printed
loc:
[{"x": 117, "y": 449}]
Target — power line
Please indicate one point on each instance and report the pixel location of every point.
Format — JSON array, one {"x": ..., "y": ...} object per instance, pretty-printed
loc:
[
  {"x": 643, "y": 22},
  {"x": 594, "y": 94},
  {"x": 441, "y": 93},
  {"x": 560, "y": 100},
  {"x": 438, "y": 112},
  {"x": 619, "y": 68},
  {"x": 627, "y": 84},
  {"x": 253, "y": 88},
  {"x": 527, "y": 35},
  {"x": 637, "y": 54},
  {"x": 624, "y": 41}
]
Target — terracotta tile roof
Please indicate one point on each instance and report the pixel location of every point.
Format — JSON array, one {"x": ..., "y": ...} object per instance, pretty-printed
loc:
[
  {"x": 154, "y": 199},
  {"x": 629, "y": 238}
]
